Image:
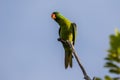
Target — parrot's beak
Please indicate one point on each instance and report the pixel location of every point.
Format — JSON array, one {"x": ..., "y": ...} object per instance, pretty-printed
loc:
[{"x": 53, "y": 16}]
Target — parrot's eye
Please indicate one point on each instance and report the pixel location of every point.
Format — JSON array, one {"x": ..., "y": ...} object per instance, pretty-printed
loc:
[{"x": 53, "y": 16}]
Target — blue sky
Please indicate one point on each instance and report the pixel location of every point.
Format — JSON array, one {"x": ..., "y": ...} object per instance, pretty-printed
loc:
[{"x": 29, "y": 49}]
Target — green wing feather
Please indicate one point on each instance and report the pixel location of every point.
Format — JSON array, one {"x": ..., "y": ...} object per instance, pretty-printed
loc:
[
  {"x": 74, "y": 26},
  {"x": 59, "y": 30}
]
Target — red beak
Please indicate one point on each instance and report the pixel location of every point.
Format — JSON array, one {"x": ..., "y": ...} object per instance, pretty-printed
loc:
[{"x": 53, "y": 16}]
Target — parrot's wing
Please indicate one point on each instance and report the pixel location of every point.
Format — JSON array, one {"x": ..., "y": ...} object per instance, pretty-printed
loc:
[
  {"x": 59, "y": 31},
  {"x": 74, "y": 28}
]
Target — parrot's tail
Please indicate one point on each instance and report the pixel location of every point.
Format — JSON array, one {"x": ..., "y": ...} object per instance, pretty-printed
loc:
[{"x": 68, "y": 59}]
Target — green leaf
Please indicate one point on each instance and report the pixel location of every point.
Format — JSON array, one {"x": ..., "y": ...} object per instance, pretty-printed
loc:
[
  {"x": 116, "y": 78},
  {"x": 96, "y": 78},
  {"x": 108, "y": 78},
  {"x": 110, "y": 64},
  {"x": 116, "y": 71}
]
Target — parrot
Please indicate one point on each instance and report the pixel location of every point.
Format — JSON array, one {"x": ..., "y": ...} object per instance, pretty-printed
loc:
[{"x": 67, "y": 31}]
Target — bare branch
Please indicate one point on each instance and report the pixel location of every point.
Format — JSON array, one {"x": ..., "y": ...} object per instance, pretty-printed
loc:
[{"x": 86, "y": 77}]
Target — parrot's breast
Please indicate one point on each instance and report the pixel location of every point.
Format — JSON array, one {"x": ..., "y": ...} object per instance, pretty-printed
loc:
[{"x": 66, "y": 33}]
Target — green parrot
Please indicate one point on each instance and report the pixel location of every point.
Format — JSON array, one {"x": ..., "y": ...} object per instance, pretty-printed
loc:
[{"x": 67, "y": 31}]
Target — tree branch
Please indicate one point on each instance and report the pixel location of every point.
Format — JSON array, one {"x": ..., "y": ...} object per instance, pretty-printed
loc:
[{"x": 86, "y": 77}]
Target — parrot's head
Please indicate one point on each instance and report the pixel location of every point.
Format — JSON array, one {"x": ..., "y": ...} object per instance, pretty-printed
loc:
[{"x": 57, "y": 17}]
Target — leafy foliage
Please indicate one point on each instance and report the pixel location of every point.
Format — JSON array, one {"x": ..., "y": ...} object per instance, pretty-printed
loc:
[{"x": 113, "y": 57}]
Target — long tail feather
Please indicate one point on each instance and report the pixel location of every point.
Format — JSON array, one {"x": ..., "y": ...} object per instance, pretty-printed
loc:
[{"x": 68, "y": 59}]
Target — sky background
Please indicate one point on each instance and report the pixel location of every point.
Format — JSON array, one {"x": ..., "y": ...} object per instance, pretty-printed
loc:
[{"x": 29, "y": 49}]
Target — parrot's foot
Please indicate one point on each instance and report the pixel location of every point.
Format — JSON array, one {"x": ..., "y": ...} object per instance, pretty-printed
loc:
[
  {"x": 67, "y": 42},
  {"x": 61, "y": 40}
]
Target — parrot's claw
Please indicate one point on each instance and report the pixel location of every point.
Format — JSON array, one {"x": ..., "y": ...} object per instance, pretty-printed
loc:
[
  {"x": 67, "y": 42},
  {"x": 59, "y": 39}
]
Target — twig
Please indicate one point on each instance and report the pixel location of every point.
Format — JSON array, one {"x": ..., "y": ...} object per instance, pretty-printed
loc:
[{"x": 86, "y": 77}]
